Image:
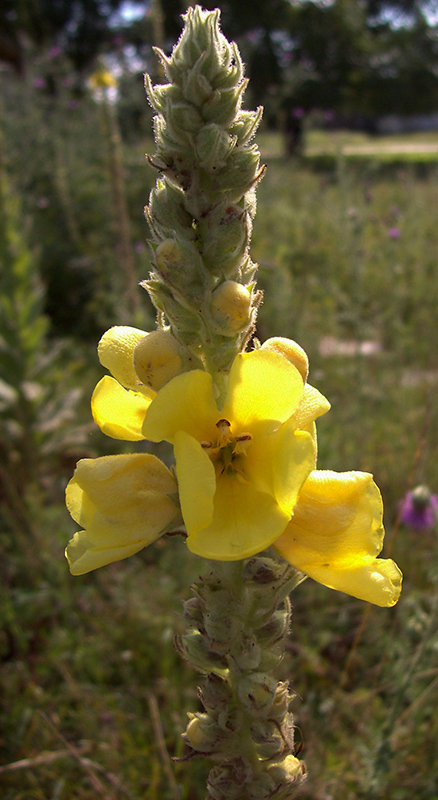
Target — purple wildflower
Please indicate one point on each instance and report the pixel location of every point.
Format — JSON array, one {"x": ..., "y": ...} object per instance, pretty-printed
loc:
[
  {"x": 420, "y": 509},
  {"x": 394, "y": 233}
]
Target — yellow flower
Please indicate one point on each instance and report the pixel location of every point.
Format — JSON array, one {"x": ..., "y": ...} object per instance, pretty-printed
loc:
[
  {"x": 240, "y": 469},
  {"x": 246, "y": 477},
  {"x": 336, "y": 534},
  {"x": 102, "y": 79},
  {"x": 123, "y": 503}
]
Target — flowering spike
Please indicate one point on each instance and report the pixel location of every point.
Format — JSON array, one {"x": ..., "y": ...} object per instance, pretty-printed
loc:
[{"x": 205, "y": 194}]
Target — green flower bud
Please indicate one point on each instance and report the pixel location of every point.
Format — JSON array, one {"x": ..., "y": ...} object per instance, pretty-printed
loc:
[
  {"x": 179, "y": 263},
  {"x": 241, "y": 173},
  {"x": 230, "y": 720},
  {"x": 261, "y": 789},
  {"x": 213, "y": 144},
  {"x": 275, "y": 629},
  {"x": 199, "y": 654},
  {"x": 246, "y": 652},
  {"x": 226, "y": 231},
  {"x": 166, "y": 215},
  {"x": 246, "y": 125},
  {"x": 267, "y": 738},
  {"x": 231, "y": 307},
  {"x": 257, "y": 692},
  {"x": 221, "y": 106},
  {"x": 215, "y": 694},
  {"x": 228, "y": 782}
]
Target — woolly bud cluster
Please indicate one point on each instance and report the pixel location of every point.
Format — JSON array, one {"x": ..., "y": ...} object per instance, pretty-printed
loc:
[
  {"x": 246, "y": 726},
  {"x": 200, "y": 213}
]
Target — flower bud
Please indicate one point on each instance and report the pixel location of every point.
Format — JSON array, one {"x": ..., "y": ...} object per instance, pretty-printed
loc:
[
  {"x": 291, "y": 351},
  {"x": 246, "y": 652},
  {"x": 257, "y": 691},
  {"x": 116, "y": 351},
  {"x": 228, "y": 780},
  {"x": 179, "y": 264},
  {"x": 231, "y": 307},
  {"x": 268, "y": 739},
  {"x": 215, "y": 694},
  {"x": 157, "y": 359},
  {"x": 288, "y": 770},
  {"x": 193, "y": 644},
  {"x": 262, "y": 789},
  {"x": 202, "y": 733},
  {"x": 212, "y": 146}
]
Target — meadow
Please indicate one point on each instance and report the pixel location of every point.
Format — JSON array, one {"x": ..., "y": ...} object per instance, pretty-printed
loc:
[{"x": 94, "y": 694}]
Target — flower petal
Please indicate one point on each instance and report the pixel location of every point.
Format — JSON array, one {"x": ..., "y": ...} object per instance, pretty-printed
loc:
[
  {"x": 245, "y": 521},
  {"x": 280, "y": 463},
  {"x": 122, "y": 502},
  {"x": 377, "y": 582},
  {"x": 336, "y": 533},
  {"x": 187, "y": 404},
  {"x": 196, "y": 482},
  {"x": 119, "y": 412},
  {"x": 313, "y": 404},
  {"x": 83, "y": 557},
  {"x": 264, "y": 390},
  {"x": 116, "y": 353}
]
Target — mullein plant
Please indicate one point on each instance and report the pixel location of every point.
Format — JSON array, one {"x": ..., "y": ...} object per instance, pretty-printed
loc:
[{"x": 240, "y": 416}]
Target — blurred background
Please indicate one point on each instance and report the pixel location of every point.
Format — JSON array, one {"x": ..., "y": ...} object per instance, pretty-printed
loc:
[{"x": 93, "y": 695}]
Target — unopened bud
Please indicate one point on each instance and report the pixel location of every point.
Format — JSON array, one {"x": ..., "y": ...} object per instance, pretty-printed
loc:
[
  {"x": 179, "y": 262},
  {"x": 291, "y": 351},
  {"x": 288, "y": 770},
  {"x": 257, "y": 691},
  {"x": 202, "y": 733},
  {"x": 231, "y": 307},
  {"x": 116, "y": 352},
  {"x": 195, "y": 647},
  {"x": 215, "y": 694},
  {"x": 157, "y": 359}
]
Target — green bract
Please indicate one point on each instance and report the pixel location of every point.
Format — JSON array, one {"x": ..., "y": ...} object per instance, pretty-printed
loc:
[{"x": 205, "y": 195}]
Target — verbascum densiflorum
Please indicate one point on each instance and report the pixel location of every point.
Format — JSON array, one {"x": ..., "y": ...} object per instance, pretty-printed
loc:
[
  {"x": 245, "y": 472},
  {"x": 239, "y": 416}
]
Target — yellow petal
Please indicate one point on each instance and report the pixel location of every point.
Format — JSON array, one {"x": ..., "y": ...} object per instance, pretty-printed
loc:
[
  {"x": 378, "y": 582},
  {"x": 187, "y": 404},
  {"x": 116, "y": 353},
  {"x": 196, "y": 482},
  {"x": 245, "y": 521},
  {"x": 119, "y": 412},
  {"x": 122, "y": 502},
  {"x": 336, "y": 533},
  {"x": 280, "y": 463},
  {"x": 83, "y": 557},
  {"x": 264, "y": 389},
  {"x": 313, "y": 404}
]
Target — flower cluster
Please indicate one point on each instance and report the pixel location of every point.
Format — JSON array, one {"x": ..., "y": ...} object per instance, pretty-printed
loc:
[{"x": 244, "y": 476}]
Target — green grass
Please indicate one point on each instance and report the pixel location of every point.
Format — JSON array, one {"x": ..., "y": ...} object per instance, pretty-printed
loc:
[{"x": 94, "y": 695}]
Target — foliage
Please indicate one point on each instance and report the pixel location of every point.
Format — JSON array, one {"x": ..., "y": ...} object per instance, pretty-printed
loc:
[
  {"x": 81, "y": 29},
  {"x": 37, "y": 402}
]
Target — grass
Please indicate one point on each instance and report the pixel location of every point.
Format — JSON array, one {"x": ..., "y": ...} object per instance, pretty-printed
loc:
[{"x": 94, "y": 694}]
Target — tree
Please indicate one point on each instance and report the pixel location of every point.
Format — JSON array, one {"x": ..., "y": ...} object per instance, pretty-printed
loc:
[{"x": 80, "y": 27}]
